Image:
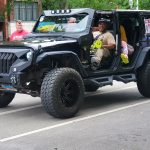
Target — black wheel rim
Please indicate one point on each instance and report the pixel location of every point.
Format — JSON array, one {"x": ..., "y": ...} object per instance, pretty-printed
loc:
[{"x": 69, "y": 93}]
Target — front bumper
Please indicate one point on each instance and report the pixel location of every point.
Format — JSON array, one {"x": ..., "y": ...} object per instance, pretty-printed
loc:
[
  {"x": 13, "y": 62},
  {"x": 16, "y": 80}
]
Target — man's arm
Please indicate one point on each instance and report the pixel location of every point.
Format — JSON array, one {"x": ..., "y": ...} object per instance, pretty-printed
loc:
[
  {"x": 111, "y": 42},
  {"x": 11, "y": 37},
  {"x": 109, "y": 46}
]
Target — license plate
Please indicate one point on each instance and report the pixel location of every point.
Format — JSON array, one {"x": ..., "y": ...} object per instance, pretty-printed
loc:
[{"x": 7, "y": 87}]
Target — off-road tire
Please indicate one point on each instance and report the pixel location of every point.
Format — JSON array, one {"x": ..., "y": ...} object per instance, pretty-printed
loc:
[
  {"x": 6, "y": 98},
  {"x": 143, "y": 79},
  {"x": 55, "y": 96}
]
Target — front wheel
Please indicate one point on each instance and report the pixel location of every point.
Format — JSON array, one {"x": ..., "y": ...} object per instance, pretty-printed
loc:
[
  {"x": 6, "y": 98},
  {"x": 143, "y": 79},
  {"x": 62, "y": 92}
]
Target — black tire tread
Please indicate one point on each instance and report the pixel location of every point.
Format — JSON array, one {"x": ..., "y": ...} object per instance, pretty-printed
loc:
[
  {"x": 6, "y": 99},
  {"x": 47, "y": 93},
  {"x": 143, "y": 79}
]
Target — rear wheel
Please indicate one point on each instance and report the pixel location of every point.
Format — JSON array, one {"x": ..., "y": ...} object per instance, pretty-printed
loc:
[
  {"x": 143, "y": 79},
  {"x": 62, "y": 92},
  {"x": 6, "y": 98}
]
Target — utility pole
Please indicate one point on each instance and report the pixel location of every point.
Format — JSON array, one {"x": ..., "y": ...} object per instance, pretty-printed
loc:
[
  {"x": 131, "y": 4},
  {"x": 137, "y": 4}
]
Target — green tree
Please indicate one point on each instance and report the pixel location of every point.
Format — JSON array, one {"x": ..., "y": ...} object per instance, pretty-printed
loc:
[
  {"x": 100, "y": 4},
  {"x": 96, "y": 4},
  {"x": 144, "y": 4},
  {"x": 55, "y": 4}
]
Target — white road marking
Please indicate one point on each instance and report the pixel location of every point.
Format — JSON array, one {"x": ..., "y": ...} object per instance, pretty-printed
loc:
[
  {"x": 73, "y": 121},
  {"x": 20, "y": 109},
  {"x": 88, "y": 94}
]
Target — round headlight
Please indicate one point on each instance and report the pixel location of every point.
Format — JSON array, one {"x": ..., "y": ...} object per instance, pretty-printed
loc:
[{"x": 29, "y": 55}]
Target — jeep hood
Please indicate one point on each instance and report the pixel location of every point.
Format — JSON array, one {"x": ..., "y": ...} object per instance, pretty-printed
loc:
[{"x": 38, "y": 42}]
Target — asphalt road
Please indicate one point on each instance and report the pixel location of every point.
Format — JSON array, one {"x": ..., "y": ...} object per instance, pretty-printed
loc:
[{"x": 113, "y": 118}]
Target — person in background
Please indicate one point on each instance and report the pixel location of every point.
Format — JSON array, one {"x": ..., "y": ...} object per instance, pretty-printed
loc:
[
  {"x": 124, "y": 54},
  {"x": 19, "y": 33},
  {"x": 71, "y": 25},
  {"x": 127, "y": 49},
  {"x": 123, "y": 34},
  {"x": 72, "y": 20}
]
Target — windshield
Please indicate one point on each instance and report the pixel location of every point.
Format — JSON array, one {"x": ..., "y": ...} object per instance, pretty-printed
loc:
[{"x": 74, "y": 23}]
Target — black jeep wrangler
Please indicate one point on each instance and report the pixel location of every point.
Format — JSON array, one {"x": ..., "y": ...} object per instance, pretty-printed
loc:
[{"x": 53, "y": 62}]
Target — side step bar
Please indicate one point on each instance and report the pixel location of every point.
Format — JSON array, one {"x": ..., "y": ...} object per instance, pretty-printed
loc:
[
  {"x": 108, "y": 80},
  {"x": 99, "y": 82},
  {"x": 126, "y": 78}
]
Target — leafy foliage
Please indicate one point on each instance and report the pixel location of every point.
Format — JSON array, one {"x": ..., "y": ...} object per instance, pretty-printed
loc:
[
  {"x": 55, "y": 4},
  {"x": 144, "y": 4},
  {"x": 96, "y": 4}
]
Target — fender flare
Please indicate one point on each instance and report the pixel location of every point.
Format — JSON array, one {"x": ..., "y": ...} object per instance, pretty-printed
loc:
[
  {"x": 73, "y": 56},
  {"x": 142, "y": 57}
]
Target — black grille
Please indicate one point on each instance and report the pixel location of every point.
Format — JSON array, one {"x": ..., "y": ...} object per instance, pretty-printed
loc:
[{"x": 6, "y": 61}]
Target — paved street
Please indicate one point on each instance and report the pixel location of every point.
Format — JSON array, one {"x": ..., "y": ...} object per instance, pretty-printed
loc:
[{"x": 113, "y": 118}]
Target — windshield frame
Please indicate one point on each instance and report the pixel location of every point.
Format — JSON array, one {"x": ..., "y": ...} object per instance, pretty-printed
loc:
[{"x": 87, "y": 12}]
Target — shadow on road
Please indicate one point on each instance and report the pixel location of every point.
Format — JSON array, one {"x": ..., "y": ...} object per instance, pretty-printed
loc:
[
  {"x": 99, "y": 100},
  {"x": 93, "y": 102}
]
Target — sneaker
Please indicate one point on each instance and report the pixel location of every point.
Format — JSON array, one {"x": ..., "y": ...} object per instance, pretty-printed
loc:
[
  {"x": 94, "y": 63},
  {"x": 124, "y": 58},
  {"x": 94, "y": 66}
]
